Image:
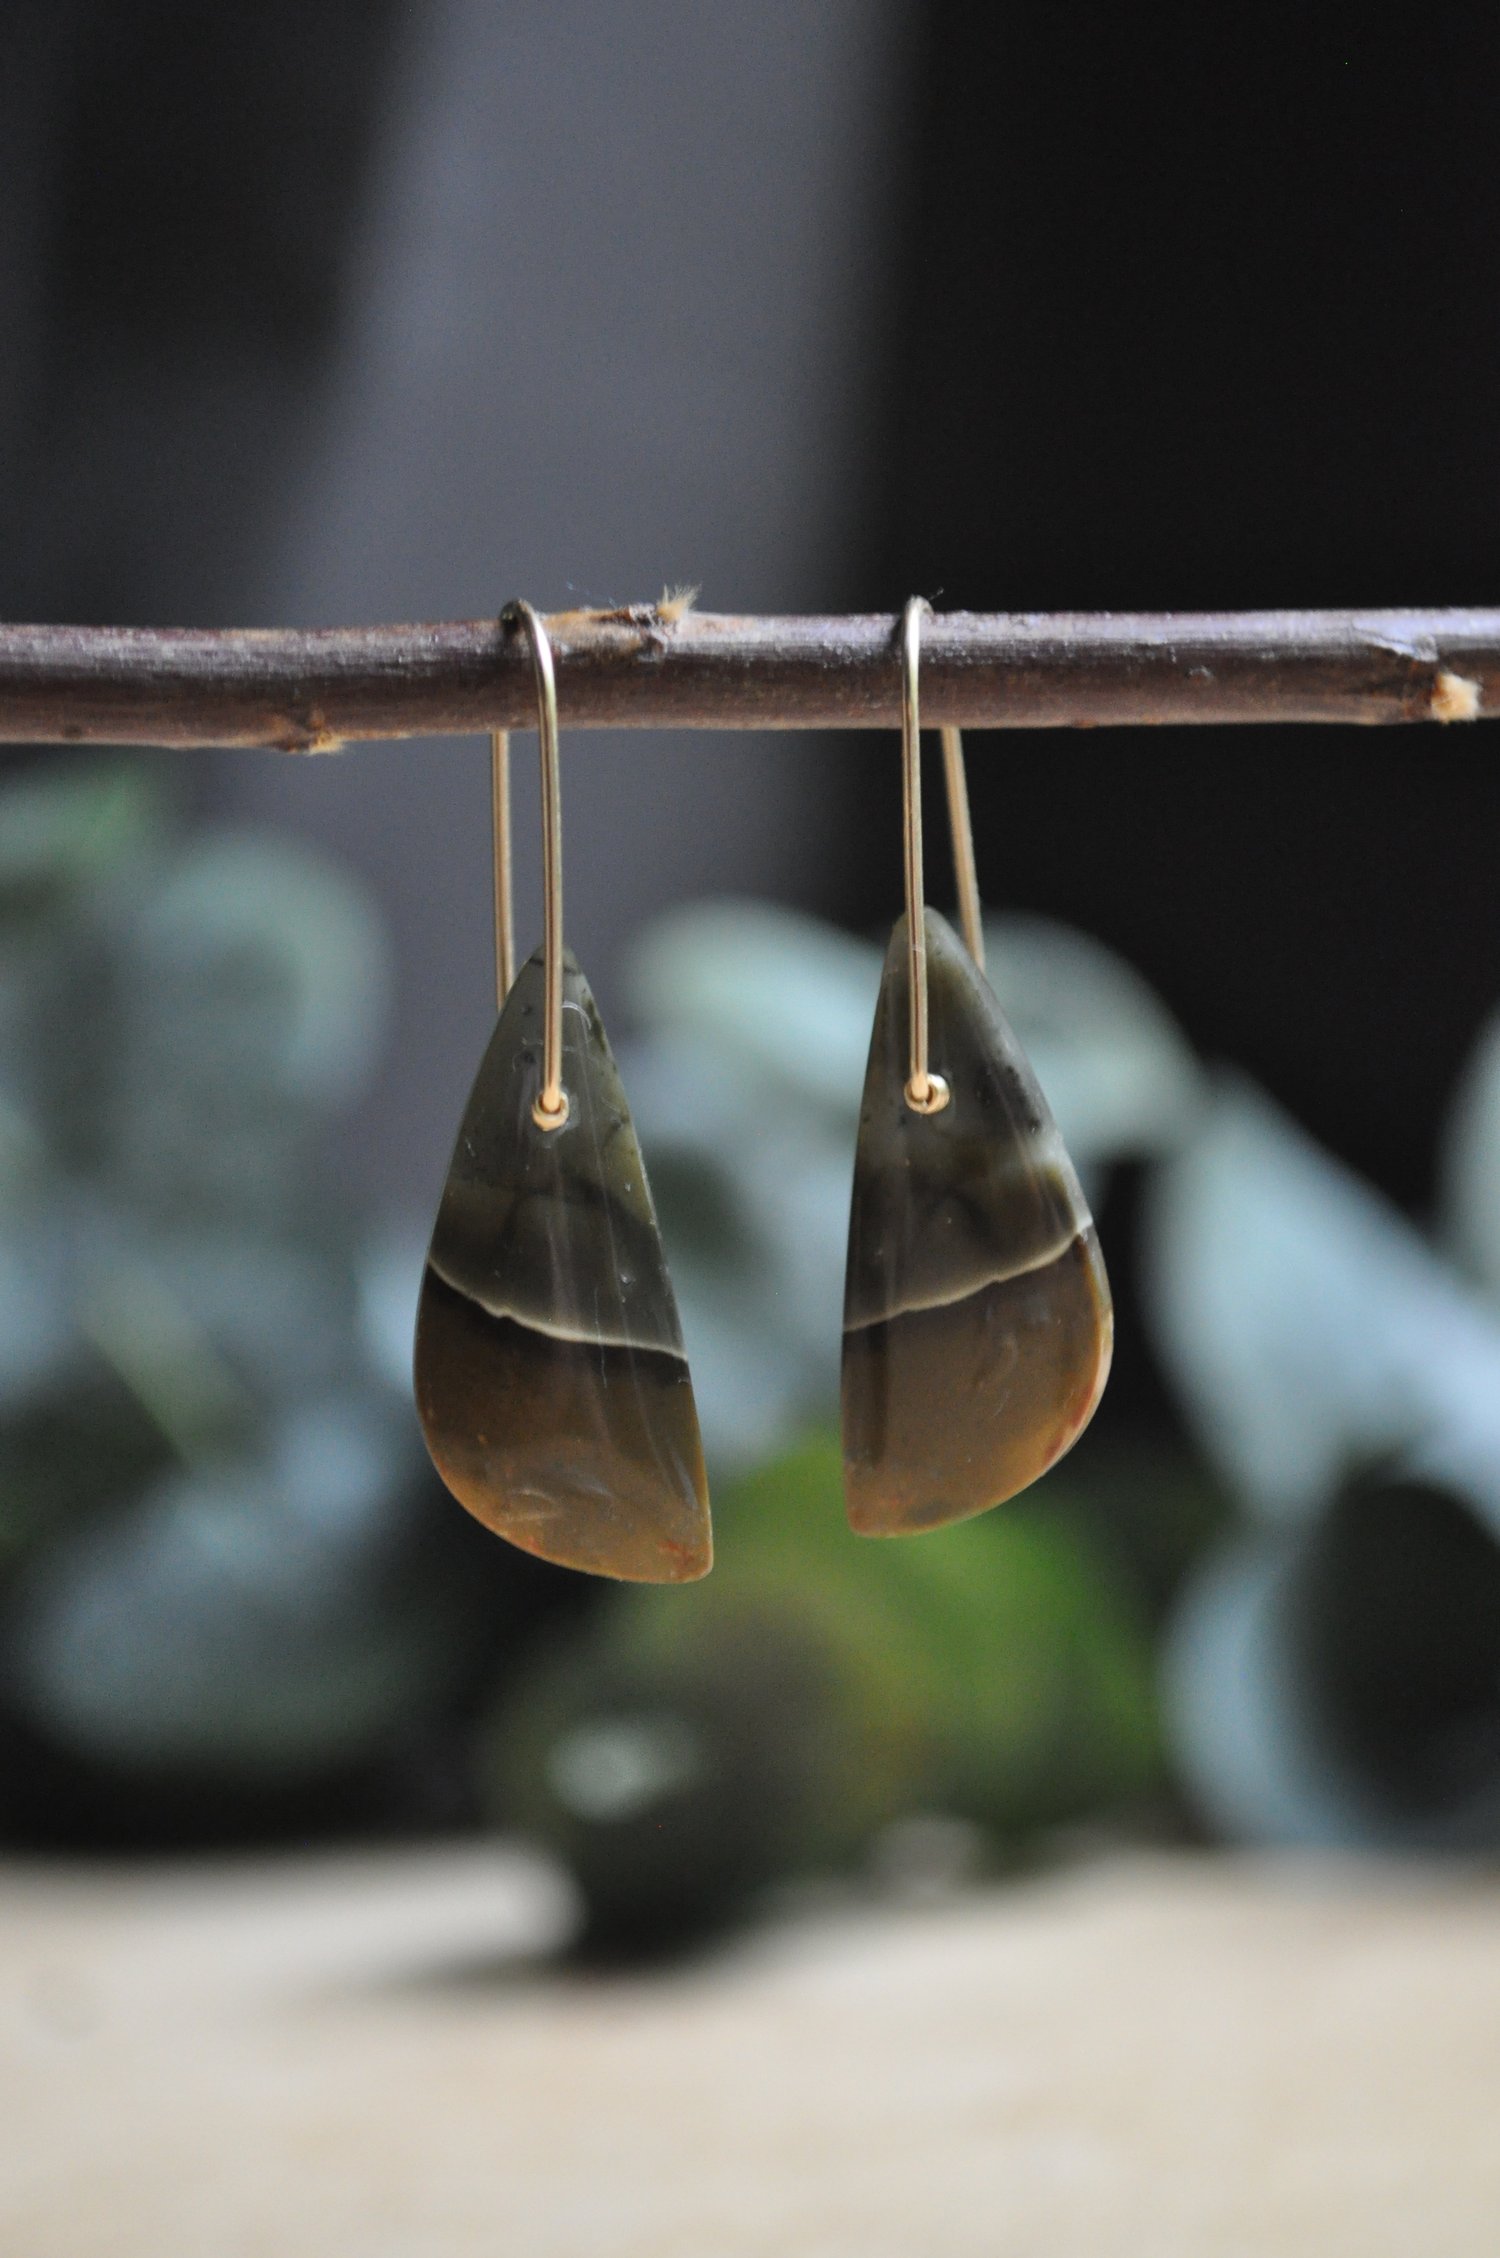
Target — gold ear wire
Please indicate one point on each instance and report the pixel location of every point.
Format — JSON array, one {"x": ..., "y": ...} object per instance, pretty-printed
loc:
[
  {"x": 961, "y": 831},
  {"x": 550, "y": 1110},
  {"x": 505, "y": 924},
  {"x": 927, "y": 1092}
]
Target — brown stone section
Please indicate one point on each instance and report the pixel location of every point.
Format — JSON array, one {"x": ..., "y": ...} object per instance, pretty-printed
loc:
[
  {"x": 586, "y": 1455},
  {"x": 977, "y": 1318},
  {"x": 951, "y": 1410},
  {"x": 550, "y": 1378}
]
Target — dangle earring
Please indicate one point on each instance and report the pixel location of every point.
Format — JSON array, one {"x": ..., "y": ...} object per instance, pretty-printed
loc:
[
  {"x": 977, "y": 1318},
  {"x": 550, "y": 1376}
]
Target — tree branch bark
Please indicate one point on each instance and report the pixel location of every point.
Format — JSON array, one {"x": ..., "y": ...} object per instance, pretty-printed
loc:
[{"x": 311, "y": 690}]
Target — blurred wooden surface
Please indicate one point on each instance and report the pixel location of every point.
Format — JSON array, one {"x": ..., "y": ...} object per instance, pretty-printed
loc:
[{"x": 1172, "y": 2059}]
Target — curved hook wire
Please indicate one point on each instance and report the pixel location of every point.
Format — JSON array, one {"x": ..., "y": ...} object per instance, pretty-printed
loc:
[
  {"x": 961, "y": 831},
  {"x": 927, "y": 1092},
  {"x": 550, "y": 1110},
  {"x": 505, "y": 924}
]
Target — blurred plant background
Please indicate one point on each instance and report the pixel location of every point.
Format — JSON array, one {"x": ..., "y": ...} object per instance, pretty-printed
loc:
[
  {"x": 236, "y": 1604},
  {"x": 336, "y": 312}
]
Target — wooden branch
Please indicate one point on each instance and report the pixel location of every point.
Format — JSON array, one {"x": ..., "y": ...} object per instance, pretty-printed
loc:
[{"x": 308, "y": 691}]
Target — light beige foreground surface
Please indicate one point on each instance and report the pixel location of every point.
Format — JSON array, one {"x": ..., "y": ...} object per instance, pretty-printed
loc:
[{"x": 352, "y": 2059}]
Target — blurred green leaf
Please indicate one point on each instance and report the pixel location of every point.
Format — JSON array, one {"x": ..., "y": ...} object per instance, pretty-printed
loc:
[
  {"x": 1306, "y": 1325},
  {"x": 789, "y": 997},
  {"x": 1470, "y": 1166},
  {"x": 251, "y": 993},
  {"x": 63, "y": 829},
  {"x": 82, "y": 1447},
  {"x": 258, "y": 927},
  {"x": 262, "y": 1620},
  {"x": 693, "y": 1745},
  {"x": 1336, "y": 1684},
  {"x": 1118, "y": 1071}
]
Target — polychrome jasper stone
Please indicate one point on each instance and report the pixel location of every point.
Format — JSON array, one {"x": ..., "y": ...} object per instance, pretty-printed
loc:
[
  {"x": 977, "y": 1317},
  {"x": 550, "y": 1377}
]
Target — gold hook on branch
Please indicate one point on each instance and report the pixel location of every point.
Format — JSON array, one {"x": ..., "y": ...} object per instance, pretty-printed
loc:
[{"x": 551, "y": 1108}]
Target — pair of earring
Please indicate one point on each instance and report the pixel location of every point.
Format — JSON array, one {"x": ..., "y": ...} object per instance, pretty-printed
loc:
[{"x": 550, "y": 1375}]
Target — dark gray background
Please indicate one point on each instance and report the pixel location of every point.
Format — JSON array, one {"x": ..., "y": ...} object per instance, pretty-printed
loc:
[{"x": 366, "y": 310}]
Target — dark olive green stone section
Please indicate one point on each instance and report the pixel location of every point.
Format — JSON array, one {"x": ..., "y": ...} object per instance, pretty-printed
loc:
[
  {"x": 977, "y": 1318},
  {"x": 550, "y": 1377}
]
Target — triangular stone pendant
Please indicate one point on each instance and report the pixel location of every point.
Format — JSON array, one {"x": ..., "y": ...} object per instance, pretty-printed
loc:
[
  {"x": 550, "y": 1377},
  {"x": 977, "y": 1317}
]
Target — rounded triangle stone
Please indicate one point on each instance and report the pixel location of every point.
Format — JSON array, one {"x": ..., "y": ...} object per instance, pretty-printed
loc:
[
  {"x": 550, "y": 1377},
  {"x": 978, "y": 1327}
]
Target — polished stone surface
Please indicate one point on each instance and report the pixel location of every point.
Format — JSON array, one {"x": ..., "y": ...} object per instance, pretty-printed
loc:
[
  {"x": 550, "y": 1376},
  {"x": 977, "y": 1316}
]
